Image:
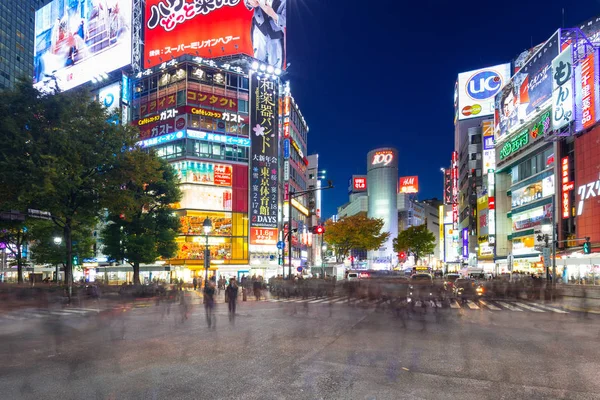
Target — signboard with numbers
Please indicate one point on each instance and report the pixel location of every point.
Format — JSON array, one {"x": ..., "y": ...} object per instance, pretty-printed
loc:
[{"x": 264, "y": 151}]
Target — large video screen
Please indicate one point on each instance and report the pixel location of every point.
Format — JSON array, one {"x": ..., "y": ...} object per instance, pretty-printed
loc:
[
  {"x": 76, "y": 41},
  {"x": 215, "y": 28}
]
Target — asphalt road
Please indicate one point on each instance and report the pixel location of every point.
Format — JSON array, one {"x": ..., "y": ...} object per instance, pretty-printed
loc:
[{"x": 290, "y": 350}]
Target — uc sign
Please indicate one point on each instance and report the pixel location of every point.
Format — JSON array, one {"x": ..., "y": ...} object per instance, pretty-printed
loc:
[
  {"x": 484, "y": 84},
  {"x": 383, "y": 158}
]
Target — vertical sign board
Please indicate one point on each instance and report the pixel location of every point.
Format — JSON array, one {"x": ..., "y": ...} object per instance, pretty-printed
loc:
[
  {"x": 447, "y": 186},
  {"x": 566, "y": 187},
  {"x": 264, "y": 151},
  {"x": 586, "y": 92},
  {"x": 465, "y": 242},
  {"x": 562, "y": 89},
  {"x": 455, "y": 189}
]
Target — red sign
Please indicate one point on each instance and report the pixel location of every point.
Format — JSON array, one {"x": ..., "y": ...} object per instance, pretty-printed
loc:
[
  {"x": 263, "y": 236},
  {"x": 211, "y": 28},
  {"x": 409, "y": 184},
  {"x": 222, "y": 175},
  {"x": 566, "y": 187},
  {"x": 360, "y": 184},
  {"x": 566, "y": 205},
  {"x": 162, "y": 127},
  {"x": 211, "y": 100},
  {"x": 588, "y": 91},
  {"x": 491, "y": 203}
]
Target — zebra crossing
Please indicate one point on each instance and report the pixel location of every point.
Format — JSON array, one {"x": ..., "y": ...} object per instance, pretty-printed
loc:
[
  {"x": 43, "y": 313},
  {"x": 470, "y": 305}
]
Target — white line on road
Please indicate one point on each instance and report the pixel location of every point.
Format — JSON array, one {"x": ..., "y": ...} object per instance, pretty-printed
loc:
[
  {"x": 489, "y": 305},
  {"x": 545, "y": 307},
  {"x": 472, "y": 305},
  {"x": 509, "y": 306},
  {"x": 525, "y": 306},
  {"x": 454, "y": 304},
  {"x": 318, "y": 301}
]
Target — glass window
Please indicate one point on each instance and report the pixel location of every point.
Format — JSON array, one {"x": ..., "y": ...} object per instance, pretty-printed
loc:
[{"x": 243, "y": 106}]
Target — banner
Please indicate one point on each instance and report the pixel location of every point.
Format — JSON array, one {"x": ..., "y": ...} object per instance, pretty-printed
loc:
[
  {"x": 586, "y": 92},
  {"x": 562, "y": 89},
  {"x": 215, "y": 28},
  {"x": 264, "y": 152}
]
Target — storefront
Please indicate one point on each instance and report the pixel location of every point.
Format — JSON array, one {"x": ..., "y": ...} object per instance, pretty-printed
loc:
[{"x": 579, "y": 269}]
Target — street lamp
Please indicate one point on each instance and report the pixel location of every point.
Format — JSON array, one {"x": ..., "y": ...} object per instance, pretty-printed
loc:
[
  {"x": 58, "y": 242},
  {"x": 207, "y": 227}
]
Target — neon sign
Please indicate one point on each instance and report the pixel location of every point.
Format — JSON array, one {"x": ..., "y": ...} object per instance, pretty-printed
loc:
[{"x": 384, "y": 157}]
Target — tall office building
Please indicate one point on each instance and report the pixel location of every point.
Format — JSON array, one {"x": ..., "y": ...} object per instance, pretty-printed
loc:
[{"x": 17, "y": 24}]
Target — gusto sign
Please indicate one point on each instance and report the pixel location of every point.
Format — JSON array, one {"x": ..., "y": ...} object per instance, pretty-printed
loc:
[{"x": 384, "y": 157}]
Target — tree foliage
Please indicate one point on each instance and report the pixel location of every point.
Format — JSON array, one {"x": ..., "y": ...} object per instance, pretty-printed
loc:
[
  {"x": 356, "y": 232},
  {"x": 59, "y": 155},
  {"x": 141, "y": 224},
  {"x": 417, "y": 240}
]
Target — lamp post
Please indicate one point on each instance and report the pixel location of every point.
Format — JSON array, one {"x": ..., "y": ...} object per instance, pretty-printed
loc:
[
  {"x": 57, "y": 241},
  {"x": 207, "y": 227},
  {"x": 323, "y": 252}
]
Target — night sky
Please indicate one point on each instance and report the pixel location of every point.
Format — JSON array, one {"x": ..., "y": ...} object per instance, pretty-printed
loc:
[{"x": 368, "y": 74}]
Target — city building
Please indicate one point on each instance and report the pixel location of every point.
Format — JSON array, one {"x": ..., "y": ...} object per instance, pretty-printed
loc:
[
  {"x": 17, "y": 40},
  {"x": 203, "y": 100}
]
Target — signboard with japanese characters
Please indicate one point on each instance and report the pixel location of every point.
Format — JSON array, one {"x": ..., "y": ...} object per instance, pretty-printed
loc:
[
  {"x": 562, "y": 89},
  {"x": 586, "y": 92},
  {"x": 264, "y": 151},
  {"x": 215, "y": 28},
  {"x": 263, "y": 236}
]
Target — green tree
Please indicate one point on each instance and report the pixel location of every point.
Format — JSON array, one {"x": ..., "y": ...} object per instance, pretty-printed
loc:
[
  {"x": 15, "y": 236},
  {"x": 417, "y": 239},
  {"x": 45, "y": 250},
  {"x": 356, "y": 232},
  {"x": 142, "y": 226},
  {"x": 59, "y": 154}
]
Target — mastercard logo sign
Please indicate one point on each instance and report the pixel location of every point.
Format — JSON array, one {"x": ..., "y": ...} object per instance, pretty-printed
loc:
[{"x": 471, "y": 110}]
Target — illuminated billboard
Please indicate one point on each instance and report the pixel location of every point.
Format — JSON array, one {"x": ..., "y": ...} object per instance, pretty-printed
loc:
[
  {"x": 528, "y": 92},
  {"x": 203, "y": 172},
  {"x": 475, "y": 90},
  {"x": 358, "y": 183},
  {"x": 408, "y": 184},
  {"x": 76, "y": 41},
  {"x": 199, "y": 197},
  {"x": 215, "y": 28}
]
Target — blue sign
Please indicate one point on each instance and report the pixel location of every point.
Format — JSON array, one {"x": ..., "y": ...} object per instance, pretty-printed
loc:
[
  {"x": 162, "y": 139},
  {"x": 488, "y": 142},
  {"x": 218, "y": 138},
  {"x": 281, "y": 245},
  {"x": 484, "y": 85},
  {"x": 299, "y": 269},
  {"x": 125, "y": 89},
  {"x": 286, "y": 148}
]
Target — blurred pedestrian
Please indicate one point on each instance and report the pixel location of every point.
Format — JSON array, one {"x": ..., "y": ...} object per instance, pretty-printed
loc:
[
  {"x": 209, "y": 304},
  {"x": 195, "y": 282},
  {"x": 232, "y": 292}
]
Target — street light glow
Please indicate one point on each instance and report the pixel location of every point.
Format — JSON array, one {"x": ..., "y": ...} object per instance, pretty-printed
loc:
[{"x": 57, "y": 240}]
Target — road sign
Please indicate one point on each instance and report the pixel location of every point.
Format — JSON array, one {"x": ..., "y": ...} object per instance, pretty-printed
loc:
[
  {"x": 547, "y": 257},
  {"x": 299, "y": 269},
  {"x": 281, "y": 245}
]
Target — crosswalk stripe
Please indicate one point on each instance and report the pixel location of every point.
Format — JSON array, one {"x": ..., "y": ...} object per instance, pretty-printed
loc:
[
  {"x": 454, "y": 304},
  {"x": 556, "y": 310},
  {"x": 489, "y": 305},
  {"x": 472, "y": 305},
  {"x": 13, "y": 317},
  {"x": 509, "y": 306},
  {"x": 342, "y": 300},
  {"x": 317, "y": 301},
  {"x": 74, "y": 311},
  {"x": 525, "y": 306}
]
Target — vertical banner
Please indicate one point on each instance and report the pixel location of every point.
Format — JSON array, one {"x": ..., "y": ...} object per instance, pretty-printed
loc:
[
  {"x": 586, "y": 92},
  {"x": 264, "y": 152},
  {"x": 562, "y": 89}
]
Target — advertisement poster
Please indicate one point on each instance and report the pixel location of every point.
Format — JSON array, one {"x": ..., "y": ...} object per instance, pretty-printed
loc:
[
  {"x": 586, "y": 92},
  {"x": 528, "y": 90},
  {"x": 408, "y": 184},
  {"x": 67, "y": 54},
  {"x": 562, "y": 89},
  {"x": 205, "y": 173},
  {"x": 475, "y": 90},
  {"x": 263, "y": 236},
  {"x": 215, "y": 28},
  {"x": 198, "y": 197},
  {"x": 264, "y": 150}
]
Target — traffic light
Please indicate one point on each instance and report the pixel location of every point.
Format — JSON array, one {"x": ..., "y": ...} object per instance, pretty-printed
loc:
[
  {"x": 587, "y": 246},
  {"x": 318, "y": 230},
  {"x": 402, "y": 256}
]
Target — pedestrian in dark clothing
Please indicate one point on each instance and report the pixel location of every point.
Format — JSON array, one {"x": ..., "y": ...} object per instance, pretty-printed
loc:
[
  {"x": 195, "y": 282},
  {"x": 209, "y": 304},
  {"x": 256, "y": 288},
  {"x": 232, "y": 291}
]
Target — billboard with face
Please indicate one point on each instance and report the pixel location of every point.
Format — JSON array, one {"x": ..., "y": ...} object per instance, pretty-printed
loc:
[
  {"x": 529, "y": 89},
  {"x": 475, "y": 90},
  {"x": 76, "y": 41},
  {"x": 215, "y": 28}
]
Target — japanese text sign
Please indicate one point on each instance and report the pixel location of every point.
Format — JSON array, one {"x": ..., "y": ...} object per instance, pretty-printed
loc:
[
  {"x": 586, "y": 86},
  {"x": 214, "y": 28},
  {"x": 562, "y": 89},
  {"x": 264, "y": 151}
]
